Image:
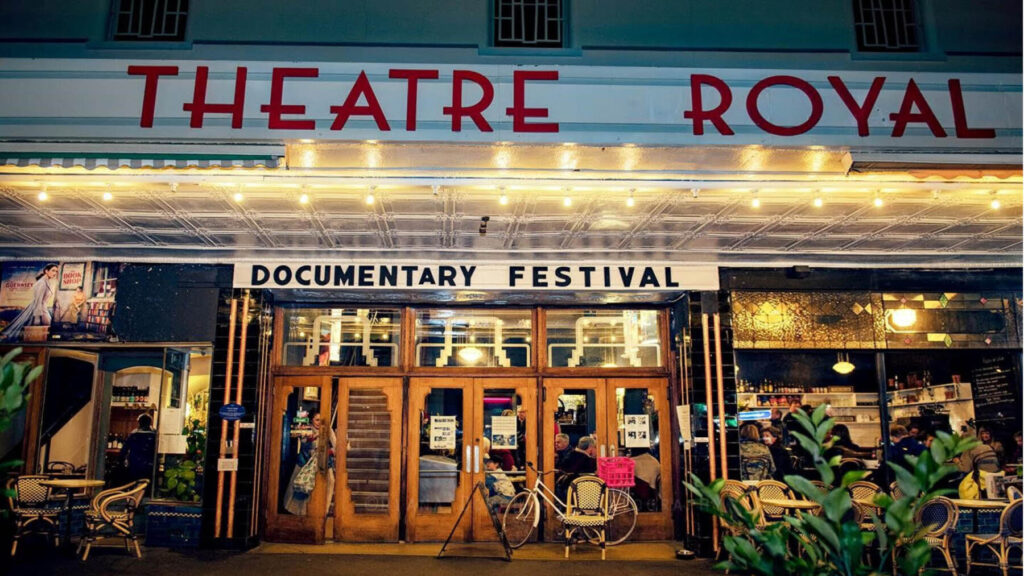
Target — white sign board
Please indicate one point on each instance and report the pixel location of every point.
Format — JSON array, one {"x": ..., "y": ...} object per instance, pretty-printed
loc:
[
  {"x": 227, "y": 464},
  {"x": 412, "y": 275},
  {"x": 683, "y": 415},
  {"x": 173, "y": 443},
  {"x": 638, "y": 431},
  {"x": 442, "y": 432},
  {"x": 220, "y": 101},
  {"x": 503, "y": 432}
]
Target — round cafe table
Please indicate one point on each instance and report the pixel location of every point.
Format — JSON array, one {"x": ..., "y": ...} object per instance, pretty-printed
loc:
[
  {"x": 69, "y": 485},
  {"x": 790, "y": 504},
  {"x": 977, "y": 505}
]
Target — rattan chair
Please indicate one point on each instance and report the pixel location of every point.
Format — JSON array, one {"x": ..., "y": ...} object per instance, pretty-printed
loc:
[
  {"x": 746, "y": 497},
  {"x": 940, "y": 516},
  {"x": 862, "y": 492},
  {"x": 112, "y": 515},
  {"x": 1013, "y": 493},
  {"x": 59, "y": 467},
  {"x": 772, "y": 490},
  {"x": 33, "y": 510},
  {"x": 895, "y": 491},
  {"x": 586, "y": 511},
  {"x": 1001, "y": 544}
]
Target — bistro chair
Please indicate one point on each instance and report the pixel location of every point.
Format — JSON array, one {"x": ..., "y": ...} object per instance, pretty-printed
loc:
[
  {"x": 60, "y": 468},
  {"x": 112, "y": 515},
  {"x": 939, "y": 516},
  {"x": 895, "y": 491},
  {"x": 772, "y": 490},
  {"x": 862, "y": 492},
  {"x": 755, "y": 468},
  {"x": 1001, "y": 544},
  {"x": 33, "y": 510},
  {"x": 1013, "y": 493},
  {"x": 742, "y": 495},
  {"x": 586, "y": 510}
]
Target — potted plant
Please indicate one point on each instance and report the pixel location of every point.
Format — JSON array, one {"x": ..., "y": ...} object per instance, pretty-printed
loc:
[{"x": 832, "y": 543}]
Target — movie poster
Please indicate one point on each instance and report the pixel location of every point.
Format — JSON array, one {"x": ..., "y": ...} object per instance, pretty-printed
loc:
[{"x": 64, "y": 301}]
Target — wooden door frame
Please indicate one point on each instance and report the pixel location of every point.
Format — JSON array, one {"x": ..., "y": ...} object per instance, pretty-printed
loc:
[
  {"x": 435, "y": 527},
  {"x": 348, "y": 526},
  {"x": 527, "y": 388},
  {"x": 652, "y": 525},
  {"x": 308, "y": 529}
]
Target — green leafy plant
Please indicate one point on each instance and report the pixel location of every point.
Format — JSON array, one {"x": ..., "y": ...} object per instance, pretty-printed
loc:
[
  {"x": 183, "y": 481},
  {"x": 15, "y": 378},
  {"x": 832, "y": 543}
]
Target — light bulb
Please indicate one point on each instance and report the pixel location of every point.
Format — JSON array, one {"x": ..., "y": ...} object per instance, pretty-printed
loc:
[
  {"x": 43, "y": 196},
  {"x": 904, "y": 317},
  {"x": 878, "y": 202},
  {"x": 630, "y": 201},
  {"x": 567, "y": 201},
  {"x": 370, "y": 199},
  {"x": 818, "y": 202},
  {"x": 756, "y": 202},
  {"x": 107, "y": 196},
  {"x": 503, "y": 200},
  {"x": 995, "y": 204},
  {"x": 304, "y": 199},
  {"x": 238, "y": 197}
]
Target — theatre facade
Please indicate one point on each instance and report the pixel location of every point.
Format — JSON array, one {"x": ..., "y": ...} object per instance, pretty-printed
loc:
[{"x": 341, "y": 277}]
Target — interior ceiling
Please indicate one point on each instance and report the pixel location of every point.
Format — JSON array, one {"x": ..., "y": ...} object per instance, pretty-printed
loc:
[{"x": 691, "y": 205}]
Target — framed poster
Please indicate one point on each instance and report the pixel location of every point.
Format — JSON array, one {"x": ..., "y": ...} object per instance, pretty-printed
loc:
[{"x": 72, "y": 275}]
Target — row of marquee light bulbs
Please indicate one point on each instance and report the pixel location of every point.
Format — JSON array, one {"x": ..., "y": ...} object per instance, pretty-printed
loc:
[{"x": 370, "y": 198}]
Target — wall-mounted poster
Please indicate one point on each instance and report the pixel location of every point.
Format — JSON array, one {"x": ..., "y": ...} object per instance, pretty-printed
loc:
[
  {"x": 42, "y": 301},
  {"x": 638, "y": 431},
  {"x": 442, "y": 432},
  {"x": 503, "y": 432}
]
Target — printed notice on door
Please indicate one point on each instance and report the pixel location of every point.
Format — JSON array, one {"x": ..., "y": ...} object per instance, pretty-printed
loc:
[
  {"x": 503, "y": 432},
  {"x": 638, "y": 431},
  {"x": 442, "y": 432}
]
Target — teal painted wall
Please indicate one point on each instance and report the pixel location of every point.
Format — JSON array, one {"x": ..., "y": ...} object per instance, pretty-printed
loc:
[{"x": 962, "y": 35}]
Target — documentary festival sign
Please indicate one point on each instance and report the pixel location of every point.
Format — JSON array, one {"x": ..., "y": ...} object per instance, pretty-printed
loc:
[{"x": 366, "y": 275}]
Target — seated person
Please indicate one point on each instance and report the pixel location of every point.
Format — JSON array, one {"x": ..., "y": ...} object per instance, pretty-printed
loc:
[
  {"x": 755, "y": 459},
  {"x": 772, "y": 438},
  {"x": 499, "y": 488},
  {"x": 647, "y": 473},
  {"x": 844, "y": 445},
  {"x": 503, "y": 457},
  {"x": 581, "y": 461},
  {"x": 903, "y": 445},
  {"x": 562, "y": 449}
]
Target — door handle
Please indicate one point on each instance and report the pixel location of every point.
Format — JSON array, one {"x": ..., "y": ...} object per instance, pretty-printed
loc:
[
  {"x": 476, "y": 459},
  {"x": 604, "y": 450},
  {"x": 466, "y": 466}
]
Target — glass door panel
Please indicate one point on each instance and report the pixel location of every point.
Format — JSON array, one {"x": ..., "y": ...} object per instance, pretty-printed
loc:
[
  {"x": 440, "y": 459},
  {"x": 504, "y": 431},
  {"x": 368, "y": 460},
  {"x": 574, "y": 407},
  {"x": 637, "y": 412},
  {"x": 299, "y": 479}
]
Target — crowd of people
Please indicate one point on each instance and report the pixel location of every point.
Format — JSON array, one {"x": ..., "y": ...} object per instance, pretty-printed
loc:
[{"x": 769, "y": 450}]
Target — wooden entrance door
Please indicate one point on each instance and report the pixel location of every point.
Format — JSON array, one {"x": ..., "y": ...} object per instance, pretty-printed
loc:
[
  {"x": 439, "y": 469},
  {"x": 301, "y": 435},
  {"x": 367, "y": 463},
  {"x": 600, "y": 407},
  {"x": 505, "y": 418}
]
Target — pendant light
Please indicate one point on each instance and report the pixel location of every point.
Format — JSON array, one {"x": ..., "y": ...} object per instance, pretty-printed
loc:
[{"x": 843, "y": 365}]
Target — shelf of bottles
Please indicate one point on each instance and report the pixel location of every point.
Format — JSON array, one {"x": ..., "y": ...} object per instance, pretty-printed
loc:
[
  {"x": 772, "y": 394},
  {"x": 130, "y": 397}
]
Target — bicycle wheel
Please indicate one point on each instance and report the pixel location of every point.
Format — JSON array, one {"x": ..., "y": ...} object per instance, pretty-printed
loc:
[
  {"x": 622, "y": 510},
  {"x": 520, "y": 518}
]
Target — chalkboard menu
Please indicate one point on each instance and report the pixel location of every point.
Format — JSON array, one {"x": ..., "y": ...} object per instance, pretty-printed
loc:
[{"x": 996, "y": 385}]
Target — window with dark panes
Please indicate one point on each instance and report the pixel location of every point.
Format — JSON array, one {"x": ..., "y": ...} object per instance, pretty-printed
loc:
[
  {"x": 529, "y": 23},
  {"x": 886, "y": 25},
  {"x": 150, "y": 20}
]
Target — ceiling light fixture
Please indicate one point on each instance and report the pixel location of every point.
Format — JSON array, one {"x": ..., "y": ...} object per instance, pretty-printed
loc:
[
  {"x": 755, "y": 202},
  {"x": 904, "y": 317},
  {"x": 107, "y": 196},
  {"x": 304, "y": 199},
  {"x": 995, "y": 204},
  {"x": 878, "y": 202},
  {"x": 696, "y": 193},
  {"x": 470, "y": 354},
  {"x": 43, "y": 196},
  {"x": 843, "y": 365},
  {"x": 630, "y": 201},
  {"x": 818, "y": 202},
  {"x": 567, "y": 201},
  {"x": 503, "y": 199},
  {"x": 238, "y": 197},
  {"x": 370, "y": 199}
]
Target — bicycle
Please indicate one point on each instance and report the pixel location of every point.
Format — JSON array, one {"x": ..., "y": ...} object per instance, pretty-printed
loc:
[{"x": 522, "y": 514}]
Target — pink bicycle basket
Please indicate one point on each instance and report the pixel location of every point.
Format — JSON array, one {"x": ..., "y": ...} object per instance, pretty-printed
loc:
[{"x": 616, "y": 471}]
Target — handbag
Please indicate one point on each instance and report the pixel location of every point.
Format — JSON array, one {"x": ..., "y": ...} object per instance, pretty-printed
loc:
[
  {"x": 305, "y": 480},
  {"x": 968, "y": 488}
]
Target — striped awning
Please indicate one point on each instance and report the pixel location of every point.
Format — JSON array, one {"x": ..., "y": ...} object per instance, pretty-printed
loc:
[
  {"x": 141, "y": 156},
  {"x": 115, "y": 163}
]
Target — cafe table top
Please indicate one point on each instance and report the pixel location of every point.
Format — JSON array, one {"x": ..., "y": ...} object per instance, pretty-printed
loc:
[
  {"x": 981, "y": 504},
  {"x": 790, "y": 504},
  {"x": 72, "y": 483}
]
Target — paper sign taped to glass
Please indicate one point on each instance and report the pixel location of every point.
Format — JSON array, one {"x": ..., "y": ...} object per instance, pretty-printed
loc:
[
  {"x": 442, "y": 432},
  {"x": 503, "y": 432},
  {"x": 638, "y": 431}
]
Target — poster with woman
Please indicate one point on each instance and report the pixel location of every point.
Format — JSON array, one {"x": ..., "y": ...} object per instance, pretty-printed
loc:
[{"x": 42, "y": 301}]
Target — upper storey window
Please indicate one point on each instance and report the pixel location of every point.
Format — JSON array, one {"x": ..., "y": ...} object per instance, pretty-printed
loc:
[
  {"x": 529, "y": 23},
  {"x": 150, "y": 20},
  {"x": 886, "y": 25}
]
